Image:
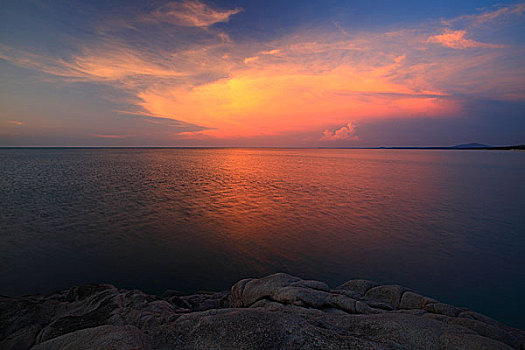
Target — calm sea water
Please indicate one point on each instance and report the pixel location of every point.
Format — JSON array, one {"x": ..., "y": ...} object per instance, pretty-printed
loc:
[{"x": 450, "y": 224}]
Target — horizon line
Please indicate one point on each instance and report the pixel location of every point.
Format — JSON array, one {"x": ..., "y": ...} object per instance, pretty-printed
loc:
[{"x": 455, "y": 147}]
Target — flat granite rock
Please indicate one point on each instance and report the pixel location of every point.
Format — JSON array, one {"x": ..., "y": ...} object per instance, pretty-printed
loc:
[{"x": 275, "y": 312}]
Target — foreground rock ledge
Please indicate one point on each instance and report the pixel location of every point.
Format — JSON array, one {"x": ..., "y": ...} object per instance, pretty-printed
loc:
[{"x": 275, "y": 312}]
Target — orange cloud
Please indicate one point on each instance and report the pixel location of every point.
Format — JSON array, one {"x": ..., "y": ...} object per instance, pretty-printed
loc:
[
  {"x": 346, "y": 132},
  {"x": 192, "y": 14},
  {"x": 96, "y": 64},
  {"x": 249, "y": 60},
  {"x": 302, "y": 83},
  {"x": 271, "y": 52},
  {"x": 297, "y": 86},
  {"x": 111, "y": 64},
  {"x": 15, "y": 122},
  {"x": 272, "y": 99},
  {"x": 455, "y": 39}
]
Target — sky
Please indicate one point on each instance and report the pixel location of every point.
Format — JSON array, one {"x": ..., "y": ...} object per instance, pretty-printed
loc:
[{"x": 316, "y": 73}]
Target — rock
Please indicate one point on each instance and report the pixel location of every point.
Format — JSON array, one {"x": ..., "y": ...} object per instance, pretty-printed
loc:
[
  {"x": 358, "y": 286},
  {"x": 379, "y": 304},
  {"x": 343, "y": 303},
  {"x": 390, "y": 294},
  {"x": 487, "y": 330},
  {"x": 410, "y": 300},
  {"x": 286, "y": 289},
  {"x": 103, "y": 337},
  {"x": 278, "y": 311},
  {"x": 363, "y": 308},
  {"x": 302, "y": 297},
  {"x": 236, "y": 292},
  {"x": 457, "y": 341},
  {"x": 312, "y": 285},
  {"x": 348, "y": 293},
  {"x": 266, "y": 304},
  {"x": 246, "y": 292},
  {"x": 22, "y": 339},
  {"x": 92, "y": 318},
  {"x": 17, "y": 313},
  {"x": 476, "y": 316},
  {"x": 443, "y": 309},
  {"x": 259, "y": 329},
  {"x": 202, "y": 302}
]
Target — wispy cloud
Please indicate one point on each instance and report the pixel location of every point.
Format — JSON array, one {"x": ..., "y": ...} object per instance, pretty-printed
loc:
[
  {"x": 191, "y": 13},
  {"x": 15, "y": 122},
  {"x": 94, "y": 64},
  {"x": 490, "y": 15},
  {"x": 455, "y": 39}
]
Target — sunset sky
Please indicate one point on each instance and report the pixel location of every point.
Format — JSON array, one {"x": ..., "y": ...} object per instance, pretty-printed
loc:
[{"x": 327, "y": 73}]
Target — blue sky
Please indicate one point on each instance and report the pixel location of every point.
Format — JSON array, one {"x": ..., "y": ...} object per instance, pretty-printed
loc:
[{"x": 261, "y": 73}]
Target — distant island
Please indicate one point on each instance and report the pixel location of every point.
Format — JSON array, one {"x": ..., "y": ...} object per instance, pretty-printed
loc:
[
  {"x": 472, "y": 145},
  {"x": 465, "y": 146}
]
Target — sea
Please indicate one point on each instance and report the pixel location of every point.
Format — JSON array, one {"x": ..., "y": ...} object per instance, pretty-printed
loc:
[{"x": 446, "y": 223}]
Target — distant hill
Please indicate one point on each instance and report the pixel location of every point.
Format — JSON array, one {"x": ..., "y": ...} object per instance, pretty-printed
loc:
[
  {"x": 466, "y": 146},
  {"x": 472, "y": 145}
]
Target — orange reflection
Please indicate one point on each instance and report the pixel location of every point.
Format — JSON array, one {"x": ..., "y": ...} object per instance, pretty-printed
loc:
[{"x": 290, "y": 204}]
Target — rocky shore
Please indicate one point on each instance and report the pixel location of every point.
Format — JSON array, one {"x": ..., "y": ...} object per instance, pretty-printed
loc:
[{"x": 275, "y": 312}]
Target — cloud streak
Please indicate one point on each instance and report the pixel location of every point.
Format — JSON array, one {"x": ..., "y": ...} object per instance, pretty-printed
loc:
[
  {"x": 455, "y": 39},
  {"x": 490, "y": 15},
  {"x": 191, "y": 14}
]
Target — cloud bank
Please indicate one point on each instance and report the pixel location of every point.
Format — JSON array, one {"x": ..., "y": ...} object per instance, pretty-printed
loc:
[{"x": 303, "y": 83}]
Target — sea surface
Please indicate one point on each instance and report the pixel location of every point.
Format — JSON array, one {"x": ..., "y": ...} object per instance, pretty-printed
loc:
[{"x": 446, "y": 223}]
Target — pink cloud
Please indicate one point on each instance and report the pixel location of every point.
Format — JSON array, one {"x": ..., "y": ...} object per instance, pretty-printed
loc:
[
  {"x": 346, "y": 132},
  {"x": 192, "y": 14},
  {"x": 455, "y": 39},
  {"x": 15, "y": 122}
]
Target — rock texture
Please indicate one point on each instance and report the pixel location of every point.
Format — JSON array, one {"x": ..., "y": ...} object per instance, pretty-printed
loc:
[{"x": 275, "y": 312}]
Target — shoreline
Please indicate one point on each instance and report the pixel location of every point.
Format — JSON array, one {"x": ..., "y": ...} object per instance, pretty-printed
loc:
[{"x": 277, "y": 311}]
